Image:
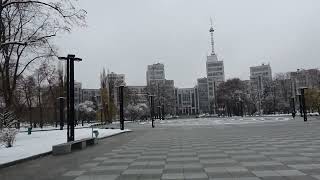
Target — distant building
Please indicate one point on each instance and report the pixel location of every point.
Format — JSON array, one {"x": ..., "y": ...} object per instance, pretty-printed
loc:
[
  {"x": 309, "y": 78},
  {"x": 114, "y": 81},
  {"x": 162, "y": 88},
  {"x": 164, "y": 94},
  {"x": 187, "y": 102},
  {"x": 155, "y": 72},
  {"x": 77, "y": 93},
  {"x": 203, "y": 101},
  {"x": 137, "y": 94},
  {"x": 215, "y": 73},
  {"x": 91, "y": 95},
  {"x": 260, "y": 76},
  {"x": 260, "y": 79}
]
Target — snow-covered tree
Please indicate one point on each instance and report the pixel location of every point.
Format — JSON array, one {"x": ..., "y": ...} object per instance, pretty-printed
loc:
[
  {"x": 27, "y": 30},
  {"x": 86, "y": 111},
  {"x": 135, "y": 112}
]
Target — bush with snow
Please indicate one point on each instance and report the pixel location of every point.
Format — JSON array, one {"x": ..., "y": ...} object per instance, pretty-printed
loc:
[
  {"x": 8, "y": 136},
  {"x": 7, "y": 131},
  {"x": 86, "y": 111},
  {"x": 136, "y": 111}
]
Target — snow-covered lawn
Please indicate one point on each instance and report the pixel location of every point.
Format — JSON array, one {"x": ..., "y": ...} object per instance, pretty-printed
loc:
[
  {"x": 24, "y": 127},
  {"x": 41, "y": 142}
]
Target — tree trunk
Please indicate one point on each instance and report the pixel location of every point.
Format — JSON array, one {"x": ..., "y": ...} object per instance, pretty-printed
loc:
[
  {"x": 41, "y": 116},
  {"x": 55, "y": 113},
  {"x": 30, "y": 116}
]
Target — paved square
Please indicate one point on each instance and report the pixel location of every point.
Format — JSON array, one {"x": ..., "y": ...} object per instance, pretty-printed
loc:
[
  {"x": 279, "y": 150},
  {"x": 234, "y": 152}
]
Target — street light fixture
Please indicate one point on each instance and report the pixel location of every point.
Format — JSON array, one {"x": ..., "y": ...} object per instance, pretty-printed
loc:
[{"x": 70, "y": 94}]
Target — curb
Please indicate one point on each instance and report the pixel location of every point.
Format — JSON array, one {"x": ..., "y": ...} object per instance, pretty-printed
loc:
[
  {"x": 24, "y": 160},
  {"x": 12, "y": 163}
]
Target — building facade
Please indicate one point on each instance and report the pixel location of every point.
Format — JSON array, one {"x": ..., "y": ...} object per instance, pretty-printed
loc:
[
  {"x": 203, "y": 102},
  {"x": 187, "y": 101},
  {"x": 260, "y": 80},
  {"x": 93, "y": 95},
  {"x": 305, "y": 78},
  {"x": 155, "y": 72},
  {"x": 77, "y": 93},
  {"x": 260, "y": 76},
  {"x": 162, "y": 88},
  {"x": 114, "y": 81},
  {"x": 137, "y": 94}
]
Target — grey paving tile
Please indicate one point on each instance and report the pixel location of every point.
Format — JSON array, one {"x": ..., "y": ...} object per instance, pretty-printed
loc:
[
  {"x": 197, "y": 175},
  {"x": 97, "y": 177},
  {"x": 172, "y": 176},
  {"x": 266, "y": 173},
  {"x": 237, "y": 178},
  {"x": 142, "y": 171},
  {"x": 290, "y": 173},
  {"x": 261, "y": 163},
  {"x": 74, "y": 173},
  {"x": 89, "y": 165}
]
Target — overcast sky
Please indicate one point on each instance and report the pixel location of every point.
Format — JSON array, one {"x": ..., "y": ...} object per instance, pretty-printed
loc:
[{"x": 125, "y": 36}]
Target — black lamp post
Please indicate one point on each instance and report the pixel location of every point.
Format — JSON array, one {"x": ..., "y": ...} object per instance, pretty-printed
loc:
[
  {"x": 300, "y": 104},
  {"x": 70, "y": 94},
  {"x": 121, "y": 107},
  {"x": 293, "y": 107},
  {"x": 151, "y": 97},
  {"x": 303, "y": 103}
]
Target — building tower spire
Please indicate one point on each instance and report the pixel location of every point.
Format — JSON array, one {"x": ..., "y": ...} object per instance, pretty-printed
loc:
[{"x": 212, "y": 42}]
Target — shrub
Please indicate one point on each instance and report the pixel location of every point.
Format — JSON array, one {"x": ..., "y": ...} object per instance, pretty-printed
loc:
[
  {"x": 7, "y": 131},
  {"x": 8, "y": 136}
]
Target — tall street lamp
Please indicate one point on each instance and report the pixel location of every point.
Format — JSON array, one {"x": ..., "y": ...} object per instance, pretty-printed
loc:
[
  {"x": 293, "y": 107},
  {"x": 303, "y": 103},
  {"x": 70, "y": 94},
  {"x": 121, "y": 107},
  {"x": 151, "y": 97},
  {"x": 300, "y": 103}
]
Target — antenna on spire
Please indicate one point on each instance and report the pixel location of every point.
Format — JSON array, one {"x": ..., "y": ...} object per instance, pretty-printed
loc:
[{"x": 211, "y": 32}]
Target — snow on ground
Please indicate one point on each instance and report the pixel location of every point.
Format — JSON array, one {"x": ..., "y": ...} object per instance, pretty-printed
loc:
[
  {"x": 219, "y": 121},
  {"x": 41, "y": 142},
  {"x": 24, "y": 127}
]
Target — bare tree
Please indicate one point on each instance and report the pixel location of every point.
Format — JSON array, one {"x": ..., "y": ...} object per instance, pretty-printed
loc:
[
  {"x": 104, "y": 94},
  {"x": 28, "y": 87},
  {"x": 40, "y": 77},
  {"x": 26, "y": 31}
]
